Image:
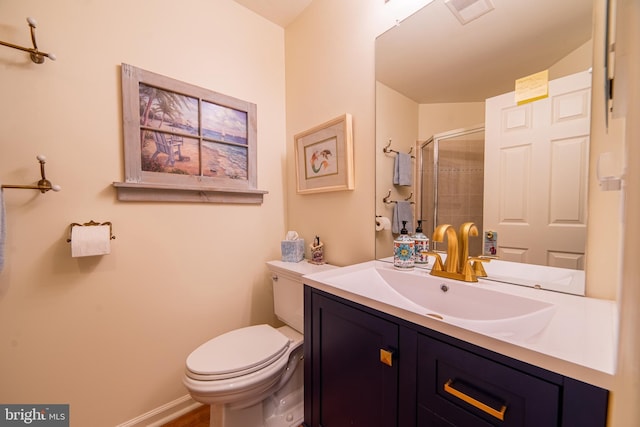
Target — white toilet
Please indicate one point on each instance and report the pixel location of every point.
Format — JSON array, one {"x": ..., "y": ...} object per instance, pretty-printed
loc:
[{"x": 252, "y": 377}]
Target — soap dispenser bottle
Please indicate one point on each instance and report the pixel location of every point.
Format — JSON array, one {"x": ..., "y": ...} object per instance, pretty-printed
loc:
[
  {"x": 421, "y": 245},
  {"x": 403, "y": 249}
]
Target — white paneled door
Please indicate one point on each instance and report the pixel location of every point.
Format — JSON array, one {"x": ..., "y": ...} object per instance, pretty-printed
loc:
[{"x": 536, "y": 166}]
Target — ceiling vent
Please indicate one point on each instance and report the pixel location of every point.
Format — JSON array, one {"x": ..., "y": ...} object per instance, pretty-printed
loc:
[{"x": 468, "y": 10}]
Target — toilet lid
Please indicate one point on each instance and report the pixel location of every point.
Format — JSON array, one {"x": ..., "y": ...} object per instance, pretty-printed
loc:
[{"x": 238, "y": 352}]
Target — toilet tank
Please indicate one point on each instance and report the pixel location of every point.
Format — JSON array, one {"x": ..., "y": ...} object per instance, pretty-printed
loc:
[{"x": 288, "y": 289}]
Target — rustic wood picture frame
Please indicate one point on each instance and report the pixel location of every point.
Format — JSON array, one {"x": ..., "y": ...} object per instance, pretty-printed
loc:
[{"x": 186, "y": 143}]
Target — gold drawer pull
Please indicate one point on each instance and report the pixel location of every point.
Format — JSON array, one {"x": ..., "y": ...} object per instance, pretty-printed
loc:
[
  {"x": 471, "y": 401},
  {"x": 386, "y": 357}
]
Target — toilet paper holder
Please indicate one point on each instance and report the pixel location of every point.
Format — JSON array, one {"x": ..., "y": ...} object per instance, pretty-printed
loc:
[{"x": 90, "y": 223}]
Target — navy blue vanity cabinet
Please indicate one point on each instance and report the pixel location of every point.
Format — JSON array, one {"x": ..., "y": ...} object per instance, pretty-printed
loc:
[
  {"x": 461, "y": 387},
  {"x": 350, "y": 366},
  {"x": 430, "y": 380},
  {"x": 469, "y": 390}
]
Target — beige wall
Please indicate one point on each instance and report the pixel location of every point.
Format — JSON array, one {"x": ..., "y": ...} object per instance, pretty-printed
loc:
[
  {"x": 626, "y": 411},
  {"x": 604, "y": 227},
  {"x": 319, "y": 88},
  {"x": 580, "y": 59},
  {"x": 330, "y": 53},
  {"x": 438, "y": 118},
  {"x": 110, "y": 335},
  {"x": 396, "y": 121},
  {"x": 329, "y": 73}
]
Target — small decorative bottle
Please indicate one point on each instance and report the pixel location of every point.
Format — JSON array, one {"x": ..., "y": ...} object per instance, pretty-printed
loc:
[
  {"x": 317, "y": 251},
  {"x": 403, "y": 250},
  {"x": 421, "y": 245}
]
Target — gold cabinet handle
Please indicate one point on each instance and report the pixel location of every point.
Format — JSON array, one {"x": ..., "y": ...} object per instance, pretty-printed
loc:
[
  {"x": 386, "y": 356},
  {"x": 476, "y": 403}
]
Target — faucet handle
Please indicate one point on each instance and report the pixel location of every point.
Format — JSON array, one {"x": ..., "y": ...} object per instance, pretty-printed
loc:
[
  {"x": 478, "y": 268},
  {"x": 437, "y": 266}
]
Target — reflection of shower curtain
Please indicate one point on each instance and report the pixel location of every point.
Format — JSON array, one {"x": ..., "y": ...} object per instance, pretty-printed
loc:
[{"x": 453, "y": 173}]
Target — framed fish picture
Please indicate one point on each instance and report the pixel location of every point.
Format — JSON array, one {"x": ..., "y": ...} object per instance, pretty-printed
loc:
[{"x": 324, "y": 157}]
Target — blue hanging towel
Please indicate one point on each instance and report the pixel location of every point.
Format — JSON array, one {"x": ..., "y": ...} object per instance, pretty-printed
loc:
[
  {"x": 403, "y": 170},
  {"x": 402, "y": 211}
]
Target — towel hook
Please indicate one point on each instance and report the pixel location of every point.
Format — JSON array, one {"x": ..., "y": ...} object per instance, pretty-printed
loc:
[
  {"x": 386, "y": 198},
  {"x": 43, "y": 185},
  {"x": 388, "y": 150},
  {"x": 36, "y": 56}
]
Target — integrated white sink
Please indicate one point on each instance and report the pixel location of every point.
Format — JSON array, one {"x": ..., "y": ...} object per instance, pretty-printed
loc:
[
  {"x": 544, "y": 277},
  {"x": 473, "y": 306},
  {"x": 565, "y": 280}
]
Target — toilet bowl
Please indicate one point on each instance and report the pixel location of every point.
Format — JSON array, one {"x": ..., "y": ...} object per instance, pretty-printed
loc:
[
  {"x": 263, "y": 354},
  {"x": 253, "y": 376}
]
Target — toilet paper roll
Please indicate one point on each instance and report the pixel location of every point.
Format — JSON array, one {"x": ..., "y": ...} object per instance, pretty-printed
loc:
[
  {"x": 90, "y": 240},
  {"x": 382, "y": 223}
]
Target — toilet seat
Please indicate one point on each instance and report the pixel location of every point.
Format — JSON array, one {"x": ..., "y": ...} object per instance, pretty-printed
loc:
[{"x": 237, "y": 353}]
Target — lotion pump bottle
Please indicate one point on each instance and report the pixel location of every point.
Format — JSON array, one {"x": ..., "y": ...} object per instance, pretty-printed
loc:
[
  {"x": 403, "y": 250},
  {"x": 421, "y": 245}
]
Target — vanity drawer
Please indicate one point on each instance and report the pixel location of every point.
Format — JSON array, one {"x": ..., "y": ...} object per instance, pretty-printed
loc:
[{"x": 460, "y": 388}]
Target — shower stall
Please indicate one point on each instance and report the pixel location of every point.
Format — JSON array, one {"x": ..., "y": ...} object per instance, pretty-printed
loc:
[{"x": 451, "y": 182}]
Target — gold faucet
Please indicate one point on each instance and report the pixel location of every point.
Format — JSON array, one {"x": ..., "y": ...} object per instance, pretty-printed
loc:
[
  {"x": 458, "y": 264},
  {"x": 451, "y": 263},
  {"x": 467, "y": 229}
]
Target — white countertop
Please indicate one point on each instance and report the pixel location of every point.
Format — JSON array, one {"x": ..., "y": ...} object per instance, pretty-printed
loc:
[
  {"x": 302, "y": 267},
  {"x": 580, "y": 341}
]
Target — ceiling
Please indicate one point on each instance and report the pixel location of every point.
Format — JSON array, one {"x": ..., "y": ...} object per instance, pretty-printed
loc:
[
  {"x": 280, "y": 12},
  {"x": 431, "y": 57}
]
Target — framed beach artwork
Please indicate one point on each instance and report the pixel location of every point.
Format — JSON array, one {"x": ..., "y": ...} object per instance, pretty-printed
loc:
[
  {"x": 324, "y": 157},
  {"x": 186, "y": 143}
]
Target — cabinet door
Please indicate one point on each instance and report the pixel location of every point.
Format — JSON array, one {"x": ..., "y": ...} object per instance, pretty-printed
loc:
[{"x": 354, "y": 367}]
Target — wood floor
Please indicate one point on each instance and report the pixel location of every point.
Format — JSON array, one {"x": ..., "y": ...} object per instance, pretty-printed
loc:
[{"x": 197, "y": 418}]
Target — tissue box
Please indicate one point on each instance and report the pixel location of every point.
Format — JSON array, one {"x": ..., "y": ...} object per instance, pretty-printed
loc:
[{"x": 292, "y": 250}]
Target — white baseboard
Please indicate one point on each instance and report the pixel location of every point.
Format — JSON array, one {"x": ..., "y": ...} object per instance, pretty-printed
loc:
[{"x": 163, "y": 414}]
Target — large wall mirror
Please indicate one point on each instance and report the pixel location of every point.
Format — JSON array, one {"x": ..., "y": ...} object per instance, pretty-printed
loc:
[{"x": 433, "y": 76}]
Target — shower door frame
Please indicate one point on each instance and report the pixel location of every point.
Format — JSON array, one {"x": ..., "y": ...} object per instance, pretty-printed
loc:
[{"x": 435, "y": 140}]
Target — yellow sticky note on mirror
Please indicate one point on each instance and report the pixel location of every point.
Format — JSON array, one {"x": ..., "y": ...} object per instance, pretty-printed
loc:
[{"x": 532, "y": 87}]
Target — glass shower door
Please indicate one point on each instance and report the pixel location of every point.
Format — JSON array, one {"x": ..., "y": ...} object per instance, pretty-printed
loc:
[{"x": 452, "y": 182}]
